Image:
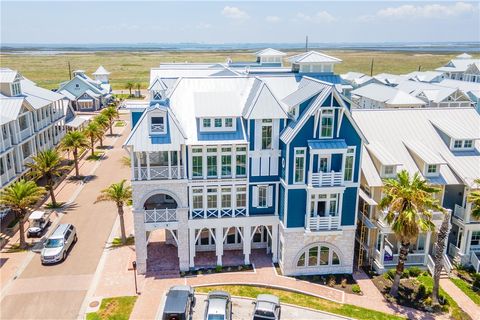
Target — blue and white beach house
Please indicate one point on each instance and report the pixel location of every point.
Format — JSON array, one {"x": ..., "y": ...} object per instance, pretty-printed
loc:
[{"x": 235, "y": 159}]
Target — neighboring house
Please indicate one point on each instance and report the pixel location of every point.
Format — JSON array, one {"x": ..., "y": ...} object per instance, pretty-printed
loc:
[
  {"x": 463, "y": 68},
  {"x": 241, "y": 163},
  {"x": 389, "y": 79},
  {"x": 379, "y": 96},
  {"x": 436, "y": 95},
  {"x": 471, "y": 89},
  {"x": 85, "y": 93},
  {"x": 32, "y": 119},
  {"x": 443, "y": 146},
  {"x": 426, "y": 76}
]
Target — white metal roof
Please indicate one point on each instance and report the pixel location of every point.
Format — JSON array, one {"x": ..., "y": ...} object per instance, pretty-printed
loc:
[
  {"x": 465, "y": 86},
  {"x": 219, "y": 104},
  {"x": 425, "y": 76},
  {"x": 456, "y": 130},
  {"x": 423, "y": 151},
  {"x": 68, "y": 95},
  {"x": 458, "y": 65},
  {"x": 388, "y": 95},
  {"x": 464, "y": 56},
  {"x": 369, "y": 170},
  {"x": 382, "y": 154},
  {"x": 101, "y": 71},
  {"x": 10, "y": 108},
  {"x": 307, "y": 89},
  {"x": 433, "y": 92},
  {"x": 269, "y": 52},
  {"x": 390, "y": 79},
  {"x": 313, "y": 57},
  {"x": 390, "y": 128},
  {"x": 8, "y": 75}
]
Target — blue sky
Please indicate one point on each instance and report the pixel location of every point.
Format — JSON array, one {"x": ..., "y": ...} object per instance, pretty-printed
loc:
[{"x": 234, "y": 22}]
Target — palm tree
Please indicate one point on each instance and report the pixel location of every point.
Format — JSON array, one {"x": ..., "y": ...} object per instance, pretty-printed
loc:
[
  {"x": 111, "y": 113},
  {"x": 74, "y": 140},
  {"x": 93, "y": 131},
  {"x": 126, "y": 161},
  {"x": 438, "y": 259},
  {"x": 407, "y": 202},
  {"x": 47, "y": 164},
  {"x": 118, "y": 193},
  {"x": 474, "y": 198},
  {"x": 18, "y": 197},
  {"x": 129, "y": 86},
  {"x": 103, "y": 122}
]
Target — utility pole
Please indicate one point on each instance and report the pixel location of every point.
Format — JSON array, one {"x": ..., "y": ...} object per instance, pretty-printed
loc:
[
  {"x": 371, "y": 69},
  {"x": 419, "y": 67},
  {"x": 306, "y": 43},
  {"x": 69, "y": 70}
]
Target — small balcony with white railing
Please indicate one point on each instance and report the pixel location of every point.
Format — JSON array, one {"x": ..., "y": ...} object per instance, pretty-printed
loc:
[
  {"x": 166, "y": 165},
  {"x": 160, "y": 211},
  {"x": 462, "y": 215},
  {"x": 323, "y": 223},
  {"x": 326, "y": 179}
]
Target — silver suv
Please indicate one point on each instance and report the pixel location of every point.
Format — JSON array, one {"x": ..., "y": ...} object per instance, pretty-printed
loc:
[
  {"x": 267, "y": 307},
  {"x": 219, "y": 306},
  {"x": 57, "y": 245}
]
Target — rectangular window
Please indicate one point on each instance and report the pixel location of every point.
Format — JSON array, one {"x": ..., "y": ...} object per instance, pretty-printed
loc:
[
  {"x": 262, "y": 196},
  {"x": 207, "y": 123},
  {"x": 228, "y": 122},
  {"x": 457, "y": 144},
  {"x": 432, "y": 168},
  {"x": 158, "y": 124},
  {"x": 218, "y": 123},
  {"x": 349, "y": 163},
  {"x": 226, "y": 198},
  {"x": 212, "y": 198},
  {"x": 226, "y": 165},
  {"x": 212, "y": 166},
  {"x": 267, "y": 134},
  {"x": 467, "y": 143},
  {"x": 197, "y": 199},
  {"x": 299, "y": 176},
  {"x": 197, "y": 170},
  {"x": 475, "y": 241},
  {"x": 326, "y": 128},
  {"x": 388, "y": 170},
  {"x": 241, "y": 165},
  {"x": 241, "y": 197}
]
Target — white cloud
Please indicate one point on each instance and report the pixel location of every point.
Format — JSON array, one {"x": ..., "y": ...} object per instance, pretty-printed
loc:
[
  {"x": 234, "y": 13},
  {"x": 272, "y": 19},
  {"x": 319, "y": 17},
  {"x": 421, "y": 11}
]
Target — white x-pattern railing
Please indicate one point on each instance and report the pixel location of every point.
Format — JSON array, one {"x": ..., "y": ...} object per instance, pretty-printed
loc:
[{"x": 160, "y": 215}]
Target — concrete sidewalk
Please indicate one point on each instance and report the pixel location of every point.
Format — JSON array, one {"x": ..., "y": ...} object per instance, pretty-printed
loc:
[{"x": 463, "y": 301}]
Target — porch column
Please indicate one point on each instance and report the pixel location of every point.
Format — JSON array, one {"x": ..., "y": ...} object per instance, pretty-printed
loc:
[
  {"x": 463, "y": 242},
  {"x": 247, "y": 243},
  {"x": 219, "y": 244},
  {"x": 468, "y": 212},
  {"x": 427, "y": 246},
  {"x": 132, "y": 164},
  {"x": 148, "y": 166},
  {"x": 139, "y": 168},
  {"x": 184, "y": 161},
  {"x": 382, "y": 249},
  {"x": 468, "y": 239},
  {"x": 275, "y": 243},
  {"x": 182, "y": 238},
  {"x": 234, "y": 161},
  {"x": 192, "y": 246},
  {"x": 310, "y": 169},
  {"x": 169, "y": 157},
  {"x": 179, "y": 171},
  {"x": 140, "y": 240}
]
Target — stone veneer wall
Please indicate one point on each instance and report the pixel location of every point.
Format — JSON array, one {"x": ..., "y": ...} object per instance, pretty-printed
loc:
[{"x": 294, "y": 242}]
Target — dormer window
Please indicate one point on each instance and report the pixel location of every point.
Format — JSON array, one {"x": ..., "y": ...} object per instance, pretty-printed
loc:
[
  {"x": 388, "y": 171},
  {"x": 157, "y": 124},
  {"x": 207, "y": 123},
  {"x": 294, "y": 112},
  {"x": 217, "y": 124},
  {"x": 228, "y": 122},
  {"x": 16, "y": 89},
  {"x": 462, "y": 144},
  {"x": 467, "y": 144},
  {"x": 431, "y": 170},
  {"x": 457, "y": 144}
]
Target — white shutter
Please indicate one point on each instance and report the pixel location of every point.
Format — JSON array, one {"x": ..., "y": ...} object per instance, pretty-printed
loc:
[
  {"x": 255, "y": 197},
  {"x": 265, "y": 162},
  {"x": 255, "y": 165},
  {"x": 274, "y": 166},
  {"x": 258, "y": 135},
  {"x": 270, "y": 196},
  {"x": 275, "y": 133}
]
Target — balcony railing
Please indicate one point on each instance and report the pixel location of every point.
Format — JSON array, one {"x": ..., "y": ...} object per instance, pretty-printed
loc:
[
  {"x": 160, "y": 173},
  {"x": 323, "y": 223},
  {"x": 474, "y": 261},
  {"x": 25, "y": 133},
  {"x": 412, "y": 259},
  {"x": 160, "y": 215},
  {"x": 326, "y": 179},
  {"x": 157, "y": 127},
  {"x": 218, "y": 213},
  {"x": 459, "y": 212},
  {"x": 453, "y": 250}
]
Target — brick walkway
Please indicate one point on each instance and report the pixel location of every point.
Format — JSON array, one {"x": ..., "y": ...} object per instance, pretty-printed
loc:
[{"x": 464, "y": 302}]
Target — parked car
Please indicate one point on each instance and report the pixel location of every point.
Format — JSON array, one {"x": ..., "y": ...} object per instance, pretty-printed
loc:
[
  {"x": 219, "y": 306},
  {"x": 57, "y": 245},
  {"x": 4, "y": 212},
  {"x": 179, "y": 303},
  {"x": 38, "y": 223},
  {"x": 267, "y": 306}
]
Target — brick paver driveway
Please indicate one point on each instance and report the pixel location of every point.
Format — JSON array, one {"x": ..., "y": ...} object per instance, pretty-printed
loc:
[{"x": 57, "y": 292}]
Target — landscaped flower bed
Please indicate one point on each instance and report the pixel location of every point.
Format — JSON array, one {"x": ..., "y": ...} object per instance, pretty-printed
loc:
[{"x": 217, "y": 269}]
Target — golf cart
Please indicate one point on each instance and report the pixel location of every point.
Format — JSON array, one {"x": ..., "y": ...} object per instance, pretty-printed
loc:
[{"x": 38, "y": 223}]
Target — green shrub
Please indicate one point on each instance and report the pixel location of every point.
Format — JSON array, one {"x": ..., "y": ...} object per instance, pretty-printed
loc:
[
  {"x": 390, "y": 274},
  {"x": 421, "y": 293},
  {"x": 218, "y": 269},
  {"x": 356, "y": 288},
  {"x": 428, "y": 301},
  {"x": 476, "y": 281},
  {"x": 414, "y": 272}
]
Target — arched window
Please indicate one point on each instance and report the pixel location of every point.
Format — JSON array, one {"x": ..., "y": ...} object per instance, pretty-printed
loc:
[{"x": 318, "y": 255}]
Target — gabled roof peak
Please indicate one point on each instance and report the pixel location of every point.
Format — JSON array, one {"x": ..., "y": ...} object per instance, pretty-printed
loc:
[
  {"x": 464, "y": 56},
  {"x": 101, "y": 71},
  {"x": 269, "y": 52},
  {"x": 313, "y": 57}
]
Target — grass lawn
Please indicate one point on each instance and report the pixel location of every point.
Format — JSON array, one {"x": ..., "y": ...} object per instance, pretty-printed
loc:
[
  {"x": 456, "y": 312},
  {"x": 305, "y": 301},
  {"x": 95, "y": 157},
  {"x": 49, "y": 70},
  {"x": 117, "y": 242},
  {"x": 120, "y": 124},
  {"x": 117, "y": 308},
  {"x": 467, "y": 289}
]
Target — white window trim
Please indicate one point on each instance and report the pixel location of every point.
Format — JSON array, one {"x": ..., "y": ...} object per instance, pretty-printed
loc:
[
  {"x": 223, "y": 128},
  {"x": 262, "y": 125},
  {"x": 389, "y": 175},
  {"x": 268, "y": 195},
  {"x": 462, "y": 148},
  {"x": 351, "y": 154},
  {"x": 295, "y": 156},
  {"x": 431, "y": 174},
  {"x": 332, "y": 116},
  {"x": 164, "y": 124}
]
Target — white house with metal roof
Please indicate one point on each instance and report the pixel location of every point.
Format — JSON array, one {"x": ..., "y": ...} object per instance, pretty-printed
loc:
[
  {"x": 85, "y": 93},
  {"x": 379, "y": 96},
  {"x": 31, "y": 119},
  {"x": 253, "y": 163},
  {"x": 464, "y": 67},
  {"x": 443, "y": 146}
]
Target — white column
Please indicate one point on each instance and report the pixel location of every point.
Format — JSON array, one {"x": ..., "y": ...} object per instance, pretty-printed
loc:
[
  {"x": 169, "y": 157},
  {"x": 219, "y": 162},
  {"x": 148, "y": 166},
  {"x": 234, "y": 161},
  {"x": 427, "y": 246},
  {"x": 140, "y": 241},
  {"x": 132, "y": 163},
  {"x": 382, "y": 248},
  {"x": 184, "y": 157},
  {"x": 468, "y": 239},
  {"x": 463, "y": 241},
  {"x": 275, "y": 243},
  {"x": 179, "y": 172},
  {"x": 310, "y": 169},
  {"x": 192, "y": 247},
  {"x": 219, "y": 244},
  {"x": 139, "y": 168},
  {"x": 247, "y": 243}
]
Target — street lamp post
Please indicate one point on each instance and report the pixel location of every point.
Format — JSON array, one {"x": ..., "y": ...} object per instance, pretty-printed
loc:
[{"x": 134, "y": 265}]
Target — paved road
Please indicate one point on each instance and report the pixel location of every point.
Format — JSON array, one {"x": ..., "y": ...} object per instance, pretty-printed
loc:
[{"x": 57, "y": 291}]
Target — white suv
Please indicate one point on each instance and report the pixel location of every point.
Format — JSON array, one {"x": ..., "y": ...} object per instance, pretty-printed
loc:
[{"x": 57, "y": 245}]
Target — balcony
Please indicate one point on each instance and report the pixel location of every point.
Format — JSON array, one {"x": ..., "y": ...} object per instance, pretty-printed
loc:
[
  {"x": 218, "y": 213},
  {"x": 159, "y": 173},
  {"x": 474, "y": 260},
  {"x": 412, "y": 259},
  {"x": 25, "y": 133},
  {"x": 326, "y": 179},
  {"x": 323, "y": 223},
  {"x": 160, "y": 218},
  {"x": 463, "y": 214},
  {"x": 157, "y": 128},
  {"x": 42, "y": 123}
]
